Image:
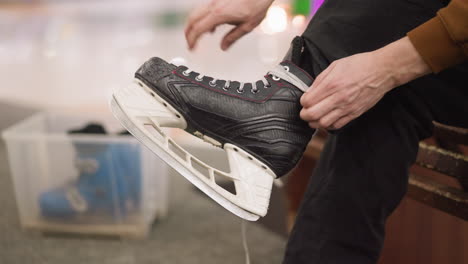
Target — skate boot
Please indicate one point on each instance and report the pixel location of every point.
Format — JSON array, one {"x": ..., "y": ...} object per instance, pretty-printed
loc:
[
  {"x": 257, "y": 124},
  {"x": 108, "y": 184}
]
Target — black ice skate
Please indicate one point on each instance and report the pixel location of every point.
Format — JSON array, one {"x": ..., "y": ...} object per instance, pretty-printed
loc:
[{"x": 257, "y": 124}]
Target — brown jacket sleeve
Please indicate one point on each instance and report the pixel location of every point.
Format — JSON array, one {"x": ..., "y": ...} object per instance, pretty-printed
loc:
[{"x": 443, "y": 41}]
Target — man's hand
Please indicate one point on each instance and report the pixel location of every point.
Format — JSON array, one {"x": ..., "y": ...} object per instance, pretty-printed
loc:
[
  {"x": 352, "y": 85},
  {"x": 245, "y": 15}
]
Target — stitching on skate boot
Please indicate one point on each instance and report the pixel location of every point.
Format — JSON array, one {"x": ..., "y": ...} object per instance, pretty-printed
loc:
[
  {"x": 193, "y": 127},
  {"x": 266, "y": 94},
  {"x": 225, "y": 92}
]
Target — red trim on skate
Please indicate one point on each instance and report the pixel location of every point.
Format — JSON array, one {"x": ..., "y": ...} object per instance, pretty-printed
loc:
[
  {"x": 290, "y": 62},
  {"x": 233, "y": 95}
]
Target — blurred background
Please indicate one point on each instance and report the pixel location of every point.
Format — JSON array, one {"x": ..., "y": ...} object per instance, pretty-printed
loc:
[
  {"x": 60, "y": 61},
  {"x": 70, "y": 54}
]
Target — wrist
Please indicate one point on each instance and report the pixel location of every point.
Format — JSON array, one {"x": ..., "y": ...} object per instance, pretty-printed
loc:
[{"x": 403, "y": 61}]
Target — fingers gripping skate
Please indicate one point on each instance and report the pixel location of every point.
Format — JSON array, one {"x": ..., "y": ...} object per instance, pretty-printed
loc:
[{"x": 144, "y": 114}]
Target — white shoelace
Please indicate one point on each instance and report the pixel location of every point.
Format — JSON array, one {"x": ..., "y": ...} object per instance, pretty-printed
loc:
[
  {"x": 244, "y": 241},
  {"x": 213, "y": 83}
]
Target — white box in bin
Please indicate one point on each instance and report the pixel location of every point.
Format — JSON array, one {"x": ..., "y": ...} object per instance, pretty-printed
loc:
[{"x": 105, "y": 184}]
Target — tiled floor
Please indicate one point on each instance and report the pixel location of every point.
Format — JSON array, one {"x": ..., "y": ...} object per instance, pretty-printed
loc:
[{"x": 196, "y": 231}]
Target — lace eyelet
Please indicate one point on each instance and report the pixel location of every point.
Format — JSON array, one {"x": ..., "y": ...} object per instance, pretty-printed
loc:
[
  {"x": 240, "y": 91},
  {"x": 254, "y": 91},
  {"x": 286, "y": 68},
  {"x": 185, "y": 73},
  {"x": 213, "y": 84},
  {"x": 199, "y": 79},
  {"x": 267, "y": 86},
  {"x": 276, "y": 78},
  {"x": 225, "y": 88}
]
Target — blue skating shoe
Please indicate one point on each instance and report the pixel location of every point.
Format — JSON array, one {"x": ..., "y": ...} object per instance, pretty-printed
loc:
[{"x": 108, "y": 183}]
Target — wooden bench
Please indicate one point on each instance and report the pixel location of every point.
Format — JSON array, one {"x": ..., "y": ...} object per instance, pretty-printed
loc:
[
  {"x": 441, "y": 157},
  {"x": 445, "y": 155}
]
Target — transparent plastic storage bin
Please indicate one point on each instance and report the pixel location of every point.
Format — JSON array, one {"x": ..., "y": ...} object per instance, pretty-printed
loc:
[{"x": 105, "y": 184}]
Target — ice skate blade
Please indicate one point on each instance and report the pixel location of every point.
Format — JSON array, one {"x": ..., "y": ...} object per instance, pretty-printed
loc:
[
  {"x": 137, "y": 108},
  {"x": 175, "y": 164}
]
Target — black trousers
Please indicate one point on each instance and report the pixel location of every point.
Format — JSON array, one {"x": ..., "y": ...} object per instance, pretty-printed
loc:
[{"x": 362, "y": 173}]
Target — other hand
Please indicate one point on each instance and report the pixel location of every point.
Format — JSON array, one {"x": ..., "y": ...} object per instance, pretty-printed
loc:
[{"x": 245, "y": 15}]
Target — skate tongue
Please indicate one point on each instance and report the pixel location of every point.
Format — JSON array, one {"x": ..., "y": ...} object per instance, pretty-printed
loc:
[{"x": 291, "y": 73}]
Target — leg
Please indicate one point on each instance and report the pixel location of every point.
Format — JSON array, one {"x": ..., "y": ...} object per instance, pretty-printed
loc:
[
  {"x": 360, "y": 179},
  {"x": 362, "y": 174}
]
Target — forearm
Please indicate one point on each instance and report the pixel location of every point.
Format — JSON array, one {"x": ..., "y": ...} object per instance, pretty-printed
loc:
[{"x": 403, "y": 62}]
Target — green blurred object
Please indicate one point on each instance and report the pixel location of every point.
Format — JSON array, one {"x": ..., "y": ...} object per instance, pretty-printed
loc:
[
  {"x": 301, "y": 7},
  {"x": 170, "y": 18}
]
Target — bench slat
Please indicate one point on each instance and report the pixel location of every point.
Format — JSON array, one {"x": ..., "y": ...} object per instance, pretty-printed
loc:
[
  {"x": 447, "y": 199},
  {"x": 443, "y": 161}
]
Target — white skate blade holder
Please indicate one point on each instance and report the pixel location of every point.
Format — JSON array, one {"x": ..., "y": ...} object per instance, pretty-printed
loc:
[{"x": 143, "y": 113}]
